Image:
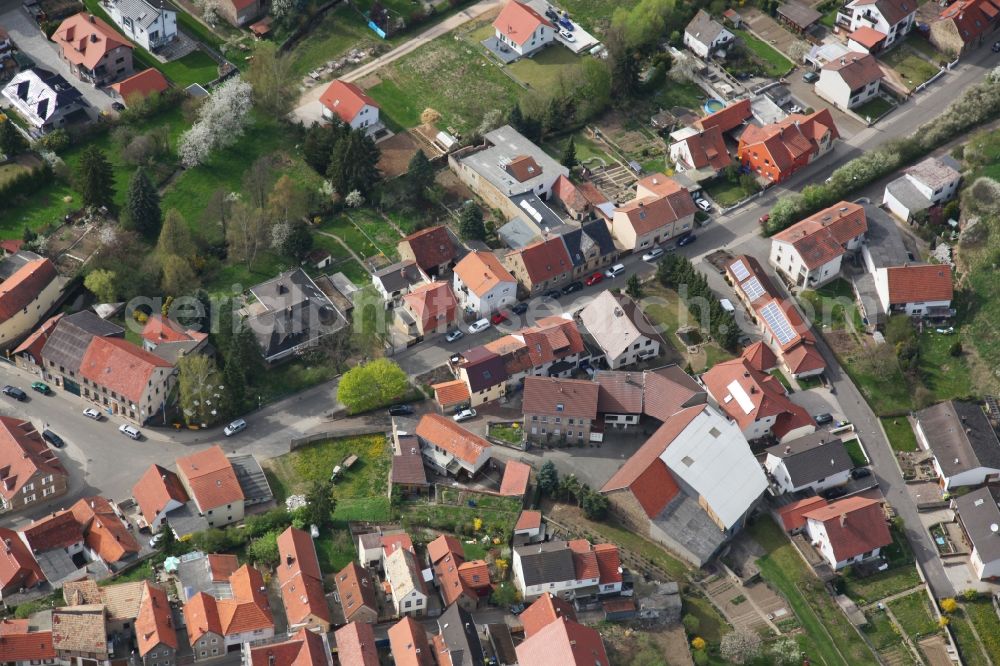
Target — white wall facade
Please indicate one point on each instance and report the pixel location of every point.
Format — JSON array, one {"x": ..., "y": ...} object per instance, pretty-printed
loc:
[
  {"x": 702, "y": 49},
  {"x": 818, "y": 536},
  {"x": 500, "y": 296},
  {"x": 160, "y": 31},
  {"x": 540, "y": 37},
  {"x": 869, "y": 16},
  {"x": 776, "y": 467},
  {"x": 832, "y": 87},
  {"x": 786, "y": 257}
]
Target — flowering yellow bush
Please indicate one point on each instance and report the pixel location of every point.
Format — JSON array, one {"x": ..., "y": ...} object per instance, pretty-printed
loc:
[
  {"x": 698, "y": 643},
  {"x": 949, "y": 605}
]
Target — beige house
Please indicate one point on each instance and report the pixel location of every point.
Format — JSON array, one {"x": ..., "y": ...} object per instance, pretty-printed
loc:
[
  {"x": 30, "y": 472},
  {"x": 409, "y": 596},
  {"x": 540, "y": 266},
  {"x": 26, "y": 295},
  {"x": 209, "y": 479},
  {"x": 126, "y": 379},
  {"x": 661, "y": 210},
  {"x": 240, "y": 12}
]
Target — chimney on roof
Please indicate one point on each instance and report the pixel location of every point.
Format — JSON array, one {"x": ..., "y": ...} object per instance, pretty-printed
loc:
[
  {"x": 843, "y": 519},
  {"x": 90, "y": 17},
  {"x": 788, "y": 450},
  {"x": 289, "y": 559}
]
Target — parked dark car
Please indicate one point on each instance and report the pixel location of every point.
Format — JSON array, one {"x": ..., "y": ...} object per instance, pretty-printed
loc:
[
  {"x": 519, "y": 308},
  {"x": 400, "y": 410},
  {"x": 551, "y": 15},
  {"x": 554, "y": 294},
  {"x": 833, "y": 493},
  {"x": 823, "y": 419},
  {"x": 686, "y": 240},
  {"x": 860, "y": 473},
  {"x": 810, "y": 77},
  {"x": 571, "y": 287},
  {"x": 53, "y": 439},
  {"x": 15, "y": 393}
]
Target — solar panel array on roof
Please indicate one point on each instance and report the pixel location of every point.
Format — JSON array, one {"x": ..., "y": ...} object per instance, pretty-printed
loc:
[
  {"x": 778, "y": 322},
  {"x": 740, "y": 270},
  {"x": 753, "y": 289}
]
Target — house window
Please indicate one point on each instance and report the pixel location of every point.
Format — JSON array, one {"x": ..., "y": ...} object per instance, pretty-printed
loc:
[{"x": 560, "y": 407}]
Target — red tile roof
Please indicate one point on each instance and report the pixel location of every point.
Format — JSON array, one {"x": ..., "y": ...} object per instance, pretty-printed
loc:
[
  {"x": 444, "y": 433},
  {"x": 820, "y": 238},
  {"x": 518, "y": 22},
  {"x": 356, "y": 590},
  {"x": 21, "y": 288},
  {"x": 569, "y": 194},
  {"x": 555, "y": 396},
  {"x": 431, "y": 247},
  {"x": 790, "y": 515},
  {"x": 11, "y": 245},
  {"x": 543, "y": 612},
  {"x": 515, "y": 479},
  {"x": 155, "y": 624},
  {"x": 201, "y": 615},
  {"x": 60, "y": 530},
  {"x": 523, "y": 167},
  {"x": 528, "y": 520},
  {"x": 18, "y": 567},
  {"x": 856, "y": 69},
  {"x": 356, "y": 645},
  {"x": 346, "y": 100},
  {"x": 85, "y": 39},
  {"x": 154, "y": 491},
  {"x": 475, "y": 574},
  {"x": 141, "y": 85},
  {"x": 446, "y": 570},
  {"x": 481, "y": 271},
  {"x": 585, "y": 562},
  {"x": 432, "y": 304},
  {"x": 728, "y": 118},
  {"x": 790, "y": 142},
  {"x": 160, "y": 329},
  {"x": 393, "y": 542},
  {"x": 221, "y": 567},
  {"x": 609, "y": 562},
  {"x": 566, "y": 643},
  {"x": 444, "y": 545},
  {"x": 408, "y": 643},
  {"x": 248, "y": 610},
  {"x": 708, "y": 149},
  {"x": 972, "y": 18},
  {"x": 211, "y": 478},
  {"x": 103, "y": 531},
  {"x": 868, "y": 37},
  {"x": 24, "y": 455},
  {"x": 669, "y": 203},
  {"x": 19, "y": 644},
  {"x": 34, "y": 343},
  {"x": 120, "y": 366},
  {"x": 306, "y": 648},
  {"x": 760, "y": 357},
  {"x": 853, "y": 525},
  {"x": 300, "y": 578},
  {"x": 451, "y": 393},
  {"x": 544, "y": 259},
  {"x": 919, "y": 283}
]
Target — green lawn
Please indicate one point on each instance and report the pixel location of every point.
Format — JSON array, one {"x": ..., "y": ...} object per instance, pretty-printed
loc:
[
  {"x": 357, "y": 238},
  {"x": 543, "y": 71},
  {"x": 514, "y": 435},
  {"x": 886, "y": 395},
  {"x": 880, "y": 631},
  {"x": 774, "y": 63},
  {"x": 711, "y": 625},
  {"x": 726, "y": 193},
  {"x": 922, "y": 45},
  {"x": 900, "y": 433},
  {"x": 289, "y": 378},
  {"x": 970, "y": 649},
  {"x": 335, "y": 549},
  {"x": 914, "y": 614},
  {"x": 856, "y": 453},
  {"x": 588, "y": 152},
  {"x": 458, "y": 519},
  {"x": 338, "y": 31},
  {"x": 8, "y": 171},
  {"x": 874, "y": 108},
  {"x": 983, "y": 616},
  {"x": 292, "y": 472},
  {"x": 946, "y": 376},
  {"x": 448, "y": 75},
  {"x": 593, "y": 14},
  {"x": 199, "y": 30},
  {"x": 832, "y": 306},
  {"x": 829, "y": 637},
  {"x": 913, "y": 69},
  {"x": 685, "y": 94}
]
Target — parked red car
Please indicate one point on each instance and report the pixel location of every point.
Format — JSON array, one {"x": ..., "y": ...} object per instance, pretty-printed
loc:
[
  {"x": 594, "y": 279},
  {"x": 498, "y": 318}
]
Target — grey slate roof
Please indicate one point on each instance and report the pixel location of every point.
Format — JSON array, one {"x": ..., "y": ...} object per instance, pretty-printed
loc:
[
  {"x": 398, "y": 276},
  {"x": 813, "y": 457},
  {"x": 141, "y": 12},
  {"x": 484, "y": 368},
  {"x": 801, "y": 15},
  {"x": 907, "y": 194},
  {"x": 458, "y": 630},
  {"x": 960, "y": 436},
  {"x": 550, "y": 562},
  {"x": 883, "y": 240},
  {"x": 518, "y": 233},
  {"x": 252, "y": 480},
  {"x": 297, "y": 312},
  {"x": 71, "y": 337},
  {"x": 978, "y": 512},
  {"x": 15, "y": 262},
  {"x": 704, "y": 28}
]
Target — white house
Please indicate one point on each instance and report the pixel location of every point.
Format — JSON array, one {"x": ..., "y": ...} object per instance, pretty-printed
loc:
[
  {"x": 450, "y": 448},
  {"x": 566, "y": 569},
  {"x": 43, "y": 98},
  {"x": 924, "y": 185},
  {"x": 979, "y": 517},
  {"x": 620, "y": 329},
  {"x": 522, "y": 29},
  {"x": 409, "y": 596},
  {"x": 482, "y": 285},
  {"x": 813, "y": 462},
  {"x": 850, "y": 80},
  {"x": 848, "y": 531},
  {"x": 915, "y": 289},
  {"x": 149, "y": 26},
  {"x": 892, "y": 18},
  {"x": 350, "y": 104},
  {"x": 965, "y": 447},
  {"x": 810, "y": 251},
  {"x": 704, "y": 35}
]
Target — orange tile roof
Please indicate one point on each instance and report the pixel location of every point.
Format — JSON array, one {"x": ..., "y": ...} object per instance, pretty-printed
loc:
[
  {"x": 221, "y": 567},
  {"x": 919, "y": 283},
  {"x": 356, "y": 645},
  {"x": 346, "y": 100},
  {"x": 585, "y": 563},
  {"x": 972, "y": 18},
  {"x": 648, "y": 213},
  {"x": 444, "y": 545},
  {"x": 449, "y": 581},
  {"x": 481, "y": 271},
  {"x": 104, "y": 532},
  {"x": 120, "y": 366},
  {"x": 708, "y": 149},
  {"x": 433, "y": 304},
  {"x": 211, "y": 478},
  {"x": 59, "y": 530},
  {"x": 790, "y": 141},
  {"x": 160, "y": 329},
  {"x": 33, "y": 343},
  {"x": 854, "y": 525},
  {"x": 305, "y": 648},
  {"x": 791, "y": 516},
  {"x": 21, "y": 288},
  {"x": 566, "y": 643},
  {"x": 248, "y": 610},
  {"x": 868, "y": 37},
  {"x": 201, "y": 616},
  {"x": 609, "y": 563},
  {"x": 451, "y": 393},
  {"x": 23, "y": 456},
  {"x": 820, "y": 238},
  {"x": 18, "y": 567},
  {"x": 543, "y": 612},
  {"x": 515, "y": 479},
  {"x": 760, "y": 357},
  {"x": 356, "y": 590},
  {"x": 19, "y": 644},
  {"x": 393, "y": 542},
  {"x": 555, "y": 396},
  {"x": 444, "y": 433},
  {"x": 727, "y": 118},
  {"x": 300, "y": 578},
  {"x": 408, "y": 643},
  {"x": 475, "y": 574},
  {"x": 528, "y": 520},
  {"x": 85, "y": 39},
  {"x": 430, "y": 247},
  {"x": 523, "y": 167},
  {"x": 731, "y": 382},
  {"x": 143, "y": 84},
  {"x": 544, "y": 259},
  {"x": 155, "y": 624},
  {"x": 518, "y": 22},
  {"x": 154, "y": 491}
]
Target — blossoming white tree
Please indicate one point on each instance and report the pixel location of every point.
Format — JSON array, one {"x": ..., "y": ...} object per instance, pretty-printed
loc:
[{"x": 222, "y": 119}]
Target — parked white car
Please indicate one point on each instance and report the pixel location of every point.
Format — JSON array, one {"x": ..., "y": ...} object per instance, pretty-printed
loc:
[
  {"x": 653, "y": 254},
  {"x": 239, "y": 425},
  {"x": 479, "y": 326},
  {"x": 92, "y": 413},
  {"x": 615, "y": 271},
  {"x": 130, "y": 431},
  {"x": 704, "y": 205},
  {"x": 464, "y": 415},
  {"x": 567, "y": 35}
]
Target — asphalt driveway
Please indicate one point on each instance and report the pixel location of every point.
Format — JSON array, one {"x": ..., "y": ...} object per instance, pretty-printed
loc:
[{"x": 33, "y": 43}]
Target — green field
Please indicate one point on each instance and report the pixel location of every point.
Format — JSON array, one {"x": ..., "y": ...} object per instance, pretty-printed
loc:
[
  {"x": 855, "y": 452},
  {"x": 774, "y": 63},
  {"x": 293, "y": 472},
  {"x": 833, "y": 306},
  {"x": 874, "y": 108},
  {"x": 337, "y": 32},
  {"x": 543, "y": 70},
  {"x": 984, "y": 617},
  {"x": 828, "y": 634},
  {"x": 685, "y": 94},
  {"x": 900, "y": 433},
  {"x": 970, "y": 649},
  {"x": 726, "y": 193},
  {"x": 914, "y": 614}
]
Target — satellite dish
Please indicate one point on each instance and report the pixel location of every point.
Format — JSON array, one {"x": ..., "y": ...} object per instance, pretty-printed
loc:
[{"x": 994, "y": 528}]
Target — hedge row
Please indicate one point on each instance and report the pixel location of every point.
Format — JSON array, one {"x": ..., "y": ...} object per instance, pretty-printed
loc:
[{"x": 26, "y": 182}]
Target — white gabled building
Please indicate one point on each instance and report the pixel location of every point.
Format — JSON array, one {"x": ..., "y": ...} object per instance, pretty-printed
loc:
[
  {"x": 704, "y": 35},
  {"x": 850, "y": 80},
  {"x": 916, "y": 290},
  {"x": 151, "y": 27},
  {"x": 566, "y": 569},
  {"x": 522, "y": 29},
  {"x": 892, "y": 18},
  {"x": 482, "y": 284},
  {"x": 809, "y": 252},
  {"x": 928, "y": 183},
  {"x": 409, "y": 596},
  {"x": 43, "y": 98},
  {"x": 620, "y": 329},
  {"x": 847, "y": 531},
  {"x": 814, "y": 462}
]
